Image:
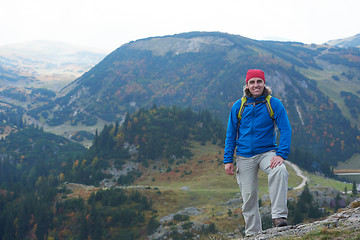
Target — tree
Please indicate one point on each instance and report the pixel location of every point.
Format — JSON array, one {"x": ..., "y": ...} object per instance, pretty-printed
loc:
[
  {"x": 306, "y": 197},
  {"x": 116, "y": 128},
  {"x": 99, "y": 228},
  {"x": 354, "y": 189},
  {"x": 7, "y": 225},
  {"x": 44, "y": 220},
  {"x": 304, "y": 208},
  {"x": 22, "y": 222},
  {"x": 337, "y": 202},
  {"x": 152, "y": 225}
]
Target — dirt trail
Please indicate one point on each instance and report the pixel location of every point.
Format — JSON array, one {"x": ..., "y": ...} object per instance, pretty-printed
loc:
[{"x": 299, "y": 173}]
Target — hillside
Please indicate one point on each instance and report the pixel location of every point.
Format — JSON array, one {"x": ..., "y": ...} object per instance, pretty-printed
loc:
[
  {"x": 197, "y": 193},
  {"x": 317, "y": 84},
  {"x": 353, "y": 41},
  {"x": 203, "y": 71},
  {"x": 30, "y": 154},
  {"x": 129, "y": 184}
]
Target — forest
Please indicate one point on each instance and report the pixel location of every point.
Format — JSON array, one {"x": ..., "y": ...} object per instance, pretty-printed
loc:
[{"x": 36, "y": 167}]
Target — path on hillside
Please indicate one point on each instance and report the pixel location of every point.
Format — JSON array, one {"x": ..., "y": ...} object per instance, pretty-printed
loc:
[{"x": 299, "y": 173}]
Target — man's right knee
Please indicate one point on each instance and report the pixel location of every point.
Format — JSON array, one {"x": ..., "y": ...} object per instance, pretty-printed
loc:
[{"x": 280, "y": 170}]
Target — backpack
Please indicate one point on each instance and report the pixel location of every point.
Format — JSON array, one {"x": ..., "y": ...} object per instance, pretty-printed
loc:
[{"x": 268, "y": 107}]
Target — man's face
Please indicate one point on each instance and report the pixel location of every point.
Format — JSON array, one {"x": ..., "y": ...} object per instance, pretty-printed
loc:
[{"x": 255, "y": 86}]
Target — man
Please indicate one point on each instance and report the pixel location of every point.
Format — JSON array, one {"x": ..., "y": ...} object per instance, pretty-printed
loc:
[{"x": 255, "y": 142}]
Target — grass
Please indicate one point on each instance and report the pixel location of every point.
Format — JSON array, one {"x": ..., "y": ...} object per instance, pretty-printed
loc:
[
  {"x": 67, "y": 129},
  {"x": 80, "y": 191},
  {"x": 201, "y": 182},
  {"x": 207, "y": 187},
  {"x": 332, "y": 88},
  {"x": 316, "y": 180},
  {"x": 352, "y": 163},
  {"x": 207, "y": 175}
]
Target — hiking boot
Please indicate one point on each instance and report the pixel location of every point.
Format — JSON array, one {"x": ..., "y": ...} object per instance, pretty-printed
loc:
[{"x": 279, "y": 222}]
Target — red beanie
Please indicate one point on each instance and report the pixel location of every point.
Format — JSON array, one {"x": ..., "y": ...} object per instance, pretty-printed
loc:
[{"x": 255, "y": 73}]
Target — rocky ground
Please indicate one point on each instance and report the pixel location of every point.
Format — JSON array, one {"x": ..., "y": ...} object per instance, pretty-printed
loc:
[{"x": 345, "y": 224}]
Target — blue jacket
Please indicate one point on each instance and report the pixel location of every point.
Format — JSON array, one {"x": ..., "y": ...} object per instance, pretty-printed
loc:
[{"x": 256, "y": 131}]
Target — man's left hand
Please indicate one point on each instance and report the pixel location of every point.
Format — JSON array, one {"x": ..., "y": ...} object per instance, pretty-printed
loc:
[{"x": 276, "y": 161}]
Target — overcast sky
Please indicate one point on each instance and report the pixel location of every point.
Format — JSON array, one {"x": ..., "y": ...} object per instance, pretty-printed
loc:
[{"x": 108, "y": 24}]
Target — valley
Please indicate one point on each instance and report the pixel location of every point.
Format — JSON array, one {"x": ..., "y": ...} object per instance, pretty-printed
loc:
[{"x": 47, "y": 64}]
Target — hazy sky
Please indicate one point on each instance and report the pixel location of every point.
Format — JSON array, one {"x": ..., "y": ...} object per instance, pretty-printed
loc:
[{"x": 107, "y": 24}]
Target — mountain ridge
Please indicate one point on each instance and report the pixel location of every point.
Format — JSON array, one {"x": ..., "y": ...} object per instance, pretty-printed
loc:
[
  {"x": 203, "y": 70},
  {"x": 353, "y": 41}
]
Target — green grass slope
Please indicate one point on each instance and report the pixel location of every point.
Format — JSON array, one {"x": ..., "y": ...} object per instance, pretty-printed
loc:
[{"x": 202, "y": 183}]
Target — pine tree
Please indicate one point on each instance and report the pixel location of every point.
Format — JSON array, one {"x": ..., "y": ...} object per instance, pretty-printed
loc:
[
  {"x": 22, "y": 222},
  {"x": 116, "y": 128},
  {"x": 9, "y": 229},
  {"x": 354, "y": 190},
  {"x": 44, "y": 220},
  {"x": 304, "y": 208},
  {"x": 84, "y": 228},
  {"x": 153, "y": 224}
]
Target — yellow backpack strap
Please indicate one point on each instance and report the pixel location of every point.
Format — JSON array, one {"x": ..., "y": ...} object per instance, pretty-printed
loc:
[
  {"x": 242, "y": 106},
  {"x": 241, "y": 110},
  {"x": 268, "y": 105},
  {"x": 270, "y": 110}
]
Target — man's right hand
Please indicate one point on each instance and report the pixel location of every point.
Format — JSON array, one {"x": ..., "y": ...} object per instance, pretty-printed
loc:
[{"x": 229, "y": 168}]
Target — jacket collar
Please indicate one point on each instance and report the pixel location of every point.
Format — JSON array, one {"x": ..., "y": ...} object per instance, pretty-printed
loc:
[{"x": 252, "y": 99}]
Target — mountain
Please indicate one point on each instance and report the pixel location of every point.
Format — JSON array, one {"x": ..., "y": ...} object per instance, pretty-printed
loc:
[
  {"x": 44, "y": 61},
  {"x": 319, "y": 85},
  {"x": 11, "y": 76},
  {"x": 353, "y": 41},
  {"x": 172, "y": 156}
]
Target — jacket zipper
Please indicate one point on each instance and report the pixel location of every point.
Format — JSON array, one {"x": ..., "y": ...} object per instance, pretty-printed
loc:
[{"x": 252, "y": 129}]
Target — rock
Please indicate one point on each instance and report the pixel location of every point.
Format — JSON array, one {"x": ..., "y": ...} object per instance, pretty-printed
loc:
[
  {"x": 190, "y": 211},
  {"x": 345, "y": 219},
  {"x": 164, "y": 231},
  {"x": 235, "y": 201}
]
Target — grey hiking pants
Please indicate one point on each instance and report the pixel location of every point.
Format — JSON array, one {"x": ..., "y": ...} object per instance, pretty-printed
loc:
[{"x": 247, "y": 178}]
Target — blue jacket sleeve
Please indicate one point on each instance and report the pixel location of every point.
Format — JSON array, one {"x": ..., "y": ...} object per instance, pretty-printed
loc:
[
  {"x": 283, "y": 124},
  {"x": 231, "y": 133}
]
